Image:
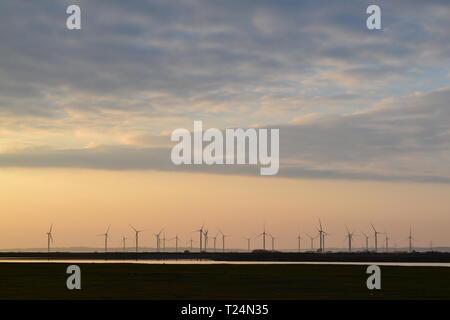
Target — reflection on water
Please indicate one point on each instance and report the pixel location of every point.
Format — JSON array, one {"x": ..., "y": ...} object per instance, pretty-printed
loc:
[{"x": 403, "y": 264}]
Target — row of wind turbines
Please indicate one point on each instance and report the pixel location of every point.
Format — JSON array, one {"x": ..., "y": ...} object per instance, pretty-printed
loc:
[
  {"x": 322, "y": 233},
  {"x": 204, "y": 237}
]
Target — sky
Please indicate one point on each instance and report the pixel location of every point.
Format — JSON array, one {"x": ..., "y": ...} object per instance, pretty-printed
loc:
[{"x": 86, "y": 117}]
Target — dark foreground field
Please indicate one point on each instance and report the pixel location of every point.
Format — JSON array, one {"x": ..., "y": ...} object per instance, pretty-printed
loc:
[{"x": 145, "y": 281}]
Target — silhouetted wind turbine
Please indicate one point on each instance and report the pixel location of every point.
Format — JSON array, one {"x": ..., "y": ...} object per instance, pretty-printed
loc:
[
  {"x": 273, "y": 242},
  {"x": 124, "y": 239},
  {"x": 176, "y": 242},
  {"x": 191, "y": 243},
  {"x": 387, "y": 241},
  {"x": 248, "y": 243},
  {"x": 205, "y": 233},
  {"x": 350, "y": 237},
  {"x": 200, "y": 231},
  {"x": 157, "y": 235},
  {"x": 106, "y": 235},
  {"x": 324, "y": 234},
  {"x": 223, "y": 240},
  {"x": 49, "y": 237},
  {"x": 299, "y": 238},
  {"x": 263, "y": 234},
  {"x": 367, "y": 240},
  {"x": 215, "y": 240},
  {"x": 321, "y": 237},
  {"x": 312, "y": 240},
  {"x": 410, "y": 238},
  {"x": 376, "y": 237},
  {"x": 136, "y": 236},
  {"x": 164, "y": 241}
]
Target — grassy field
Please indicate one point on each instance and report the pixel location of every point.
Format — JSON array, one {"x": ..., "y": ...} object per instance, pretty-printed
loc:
[{"x": 163, "y": 282}]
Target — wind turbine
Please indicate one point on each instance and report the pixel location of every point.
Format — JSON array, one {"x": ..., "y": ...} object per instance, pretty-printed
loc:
[
  {"x": 299, "y": 238},
  {"x": 215, "y": 240},
  {"x": 322, "y": 237},
  {"x": 248, "y": 243},
  {"x": 49, "y": 238},
  {"x": 367, "y": 240},
  {"x": 350, "y": 238},
  {"x": 387, "y": 241},
  {"x": 376, "y": 237},
  {"x": 410, "y": 238},
  {"x": 312, "y": 241},
  {"x": 223, "y": 240},
  {"x": 164, "y": 242},
  {"x": 263, "y": 234},
  {"x": 124, "y": 239},
  {"x": 205, "y": 233},
  {"x": 323, "y": 240},
  {"x": 273, "y": 242},
  {"x": 191, "y": 243},
  {"x": 176, "y": 238},
  {"x": 157, "y": 235},
  {"x": 106, "y": 235},
  {"x": 137, "y": 236},
  {"x": 200, "y": 231}
]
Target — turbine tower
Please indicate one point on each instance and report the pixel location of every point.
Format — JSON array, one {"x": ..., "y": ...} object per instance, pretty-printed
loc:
[
  {"x": 410, "y": 238},
  {"x": 49, "y": 238},
  {"x": 124, "y": 239},
  {"x": 176, "y": 238},
  {"x": 367, "y": 241},
  {"x": 273, "y": 242},
  {"x": 376, "y": 233},
  {"x": 322, "y": 234},
  {"x": 158, "y": 241},
  {"x": 200, "y": 231},
  {"x": 136, "y": 236},
  {"x": 223, "y": 239},
  {"x": 106, "y": 235},
  {"x": 350, "y": 238},
  {"x": 205, "y": 233},
  {"x": 164, "y": 242},
  {"x": 312, "y": 241},
  {"x": 215, "y": 241},
  {"x": 263, "y": 234},
  {"x": 248, "y": 243},
  {"x": 387, "y": 241},
  {"x": 299, "y": 238}
]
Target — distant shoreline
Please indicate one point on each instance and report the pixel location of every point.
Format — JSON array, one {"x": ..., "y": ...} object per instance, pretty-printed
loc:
[{"x": 430, "y": 257}]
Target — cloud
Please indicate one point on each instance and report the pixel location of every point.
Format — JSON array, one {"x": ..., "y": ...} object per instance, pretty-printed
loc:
[
  {"x": 207, "y": 53},
  {"x": 405, "y": 139}
]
